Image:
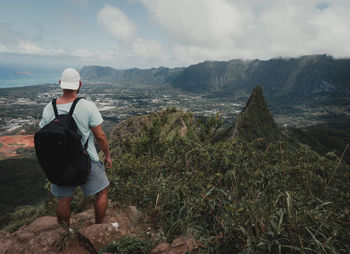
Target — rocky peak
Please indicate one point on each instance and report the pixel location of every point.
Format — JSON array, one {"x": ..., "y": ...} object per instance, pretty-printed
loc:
[{"x": 255, "y": 120}]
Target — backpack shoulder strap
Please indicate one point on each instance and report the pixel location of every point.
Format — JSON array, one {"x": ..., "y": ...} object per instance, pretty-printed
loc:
[
  {"x": 87, "y": 142},
  {"x": 54, "y": 107},
  {"x": 74, "y": 104},
  {"x": 71, "y": 113}
]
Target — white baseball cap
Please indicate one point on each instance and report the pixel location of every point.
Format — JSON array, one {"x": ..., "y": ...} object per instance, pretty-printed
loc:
[{"x": 70, "y": 79}]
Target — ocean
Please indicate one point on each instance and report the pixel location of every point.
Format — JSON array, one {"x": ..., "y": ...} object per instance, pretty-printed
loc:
[{"x": 27, "y": 76}]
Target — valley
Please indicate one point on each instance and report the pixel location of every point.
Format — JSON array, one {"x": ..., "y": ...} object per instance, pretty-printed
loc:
[
  {"x": 116, "y": 103},
  {"x": 316, "y": 123},
  {"x": 300, "y": 93}
]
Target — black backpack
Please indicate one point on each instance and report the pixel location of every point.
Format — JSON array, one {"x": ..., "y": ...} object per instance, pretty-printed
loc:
[{"x": 60, "y": 152}]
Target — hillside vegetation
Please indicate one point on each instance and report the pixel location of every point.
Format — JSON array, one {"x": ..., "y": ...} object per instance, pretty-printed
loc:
[
  {"x": 26, "y": 173},
  {"x": 233, "y": 193}
]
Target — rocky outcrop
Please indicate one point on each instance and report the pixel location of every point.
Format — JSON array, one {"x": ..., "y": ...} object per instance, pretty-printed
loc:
[
  {"x": 255, "y": 120},
  {"x": 178, "y": 246},
  {"x": 41, "y": 236},
  {"x": 44, "y": 235},
  {"x": 169, "y": 121}
]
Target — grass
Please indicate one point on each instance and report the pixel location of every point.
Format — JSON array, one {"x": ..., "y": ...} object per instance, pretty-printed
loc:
[
  {"x": 233, "y": 195},
  {"x": 257, "y": 196}
]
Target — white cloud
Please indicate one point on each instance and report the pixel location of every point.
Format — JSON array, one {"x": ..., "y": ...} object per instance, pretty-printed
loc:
[
  {"x": 332, "y": 29},
  {"x": 82, "y": 53},
  {"x": 3, "y": 49},
  {"x": 116, "y": 23},
  {"x": 52, "y": 52},
  {"x": 13, "y": 41},
  {"x": 304, "y": 28},
  {"x": 184, "y": 32},
  {"x": 147, "y": 48},
  {"x": 224, "y": 29},
  {"x": 28, "y": 47},
  {"x": 198, "y": 22},
  {"x": 129, "y": 45}
]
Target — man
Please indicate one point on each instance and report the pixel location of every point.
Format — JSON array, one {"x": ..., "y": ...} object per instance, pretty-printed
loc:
[{"x": 88, "y": 120}]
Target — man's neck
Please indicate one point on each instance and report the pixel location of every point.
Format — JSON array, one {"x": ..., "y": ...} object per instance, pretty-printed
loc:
[{"x": 67, "y": 97}]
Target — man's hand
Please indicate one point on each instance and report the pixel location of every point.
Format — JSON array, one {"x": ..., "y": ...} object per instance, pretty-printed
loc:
[{"x": 108, "y": 162}]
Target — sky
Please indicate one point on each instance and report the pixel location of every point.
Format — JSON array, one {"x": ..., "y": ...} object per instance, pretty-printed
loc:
[{"x": 172, "y": 33}]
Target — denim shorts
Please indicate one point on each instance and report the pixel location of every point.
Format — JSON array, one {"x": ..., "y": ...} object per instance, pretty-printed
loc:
[{"x": 97, "y": 181}]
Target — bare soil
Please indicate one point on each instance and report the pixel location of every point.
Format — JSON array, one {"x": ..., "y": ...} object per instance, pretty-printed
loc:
[{"x": 9, "y": 144}]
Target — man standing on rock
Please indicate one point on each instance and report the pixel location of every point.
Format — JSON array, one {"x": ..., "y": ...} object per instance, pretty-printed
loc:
[{"x": 88, "y": 120}]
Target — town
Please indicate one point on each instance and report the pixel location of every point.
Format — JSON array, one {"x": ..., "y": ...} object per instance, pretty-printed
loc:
[
  {"x": 116, "y": 103},
  {"x": 21, "y": 108}
]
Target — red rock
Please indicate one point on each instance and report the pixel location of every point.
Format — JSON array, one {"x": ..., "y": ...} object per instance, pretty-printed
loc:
[
  {"x": 8, "y": 244},
  {"x": 46, "y": 223},
  {"x": 178, "y": 246},
  {"x": 178, "y": 242},
  {"x": 161, "y": 248},
  {"x": 75, "y": 248}
]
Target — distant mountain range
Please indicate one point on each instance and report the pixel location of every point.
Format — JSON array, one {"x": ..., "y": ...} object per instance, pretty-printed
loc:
[
  {"x": 159, "y": 75},
  {"x": 304, "y": 77}
]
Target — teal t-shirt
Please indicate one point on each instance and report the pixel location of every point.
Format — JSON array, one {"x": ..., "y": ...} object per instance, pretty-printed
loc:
[{"x": 85, "y": 114}]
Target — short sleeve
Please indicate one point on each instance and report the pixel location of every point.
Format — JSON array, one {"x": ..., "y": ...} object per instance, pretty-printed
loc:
[
  {"x": 95, "y": 117},
  {"x": 45, "y": 117},
  {"x": 42, "y": 123}
]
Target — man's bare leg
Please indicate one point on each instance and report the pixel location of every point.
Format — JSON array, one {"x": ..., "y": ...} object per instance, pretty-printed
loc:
[
  {"x": 63, "y": 210},
  {"x": 101, "y": 201}
]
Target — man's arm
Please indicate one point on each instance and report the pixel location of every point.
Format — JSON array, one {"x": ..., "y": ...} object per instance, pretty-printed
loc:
[{"x": 102, "y": 142}]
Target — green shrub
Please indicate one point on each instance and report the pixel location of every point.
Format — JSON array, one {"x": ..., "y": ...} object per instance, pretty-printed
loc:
[
  {"x": 128, "y": 245},
  {"x": 248, "y": 197},
  {"x": 24, "y": 215}
]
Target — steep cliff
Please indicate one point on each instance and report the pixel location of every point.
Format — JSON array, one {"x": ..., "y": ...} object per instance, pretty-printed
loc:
[
  {"x": 255, "y": 120},
  {"x": 304, "y": 77}
]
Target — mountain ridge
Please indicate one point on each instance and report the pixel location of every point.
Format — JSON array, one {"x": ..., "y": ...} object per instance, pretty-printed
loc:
[
  {"x": 303, "y": 77},
  {"x": 108, "y": 74}
]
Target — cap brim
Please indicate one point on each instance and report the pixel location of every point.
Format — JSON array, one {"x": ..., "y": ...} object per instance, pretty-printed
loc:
[{"x": 70, "y": 85}]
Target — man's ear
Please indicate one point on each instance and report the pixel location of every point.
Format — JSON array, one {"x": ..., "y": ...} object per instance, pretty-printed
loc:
[{"x": 80, "y": 84}]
